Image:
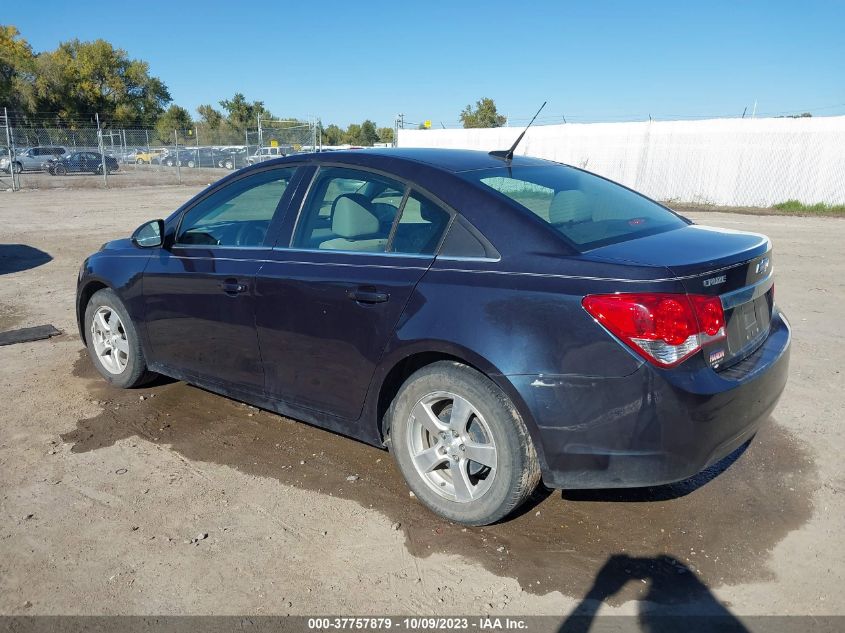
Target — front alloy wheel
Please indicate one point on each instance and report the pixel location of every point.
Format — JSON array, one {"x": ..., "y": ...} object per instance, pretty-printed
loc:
[
  {"x": 113, "y": 343},
  {"x": 109, "y": 338}
]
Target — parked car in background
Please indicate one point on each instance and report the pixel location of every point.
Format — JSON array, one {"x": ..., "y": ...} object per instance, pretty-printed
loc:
[
  {"x": 32, "y": 159},
  {"x": 202, "y": 157},
  {"x": 232, "y": 157},
  {"x": 81, "y": 162},
  {"x": 147, "y": 156},
  {"x": 125, "y": 156},
  {"x": 182, "y": 157},
  {"x": 266, "y": 153},
  {"x": 493, "y": 320}
]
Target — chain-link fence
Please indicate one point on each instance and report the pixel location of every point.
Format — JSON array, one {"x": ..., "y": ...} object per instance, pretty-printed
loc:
[{"x": 34, "y": 157}]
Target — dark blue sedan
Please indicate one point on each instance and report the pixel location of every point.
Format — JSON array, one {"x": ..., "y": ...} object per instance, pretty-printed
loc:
[
  {"x": 491, "y": 321},
  {"x": 81, "y": 162}
]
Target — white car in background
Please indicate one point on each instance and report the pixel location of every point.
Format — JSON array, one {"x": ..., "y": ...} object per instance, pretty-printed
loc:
[{"x": 266, "y": 153}]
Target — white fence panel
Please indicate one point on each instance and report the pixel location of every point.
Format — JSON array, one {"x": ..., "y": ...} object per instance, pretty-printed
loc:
[{"x": 728, "y": 162}]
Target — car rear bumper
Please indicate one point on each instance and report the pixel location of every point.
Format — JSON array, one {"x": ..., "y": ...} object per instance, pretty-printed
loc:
[{"x": 653, "y": 426}]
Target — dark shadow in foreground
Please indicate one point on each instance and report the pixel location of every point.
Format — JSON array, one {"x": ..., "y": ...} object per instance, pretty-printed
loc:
[
  {"x": 675, "y": 599},
  {"x": 15, "y": 258}
]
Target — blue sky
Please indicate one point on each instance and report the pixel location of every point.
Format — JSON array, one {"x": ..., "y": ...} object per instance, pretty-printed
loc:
[{"x": 346, "y": 61}]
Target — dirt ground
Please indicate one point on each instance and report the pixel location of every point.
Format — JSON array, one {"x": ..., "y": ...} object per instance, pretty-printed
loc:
[{"x": 172, "y": 500}]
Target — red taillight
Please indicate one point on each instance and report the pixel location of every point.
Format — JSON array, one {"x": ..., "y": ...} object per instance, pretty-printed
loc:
[{"x": 663, "y": 328}]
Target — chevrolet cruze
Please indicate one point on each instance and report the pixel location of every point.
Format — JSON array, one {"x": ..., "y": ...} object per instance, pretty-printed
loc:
[{"x": 493, "y": 321}]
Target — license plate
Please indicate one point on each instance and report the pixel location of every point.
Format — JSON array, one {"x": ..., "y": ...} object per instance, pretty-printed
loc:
[{"x": 749, "y": 322}]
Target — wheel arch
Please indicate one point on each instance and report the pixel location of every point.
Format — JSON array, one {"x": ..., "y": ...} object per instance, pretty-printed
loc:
[
  {"x": 396, "y": 368},
  {"x": 83, "y": 297}
]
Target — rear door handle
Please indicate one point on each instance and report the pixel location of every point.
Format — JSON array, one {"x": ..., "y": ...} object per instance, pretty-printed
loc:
[
  {"x": 367, "y": 295},
  {"x": 232, "y": 287}
]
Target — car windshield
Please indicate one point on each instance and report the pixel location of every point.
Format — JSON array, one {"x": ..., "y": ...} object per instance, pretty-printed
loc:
[{"x": 587, "y": 210}]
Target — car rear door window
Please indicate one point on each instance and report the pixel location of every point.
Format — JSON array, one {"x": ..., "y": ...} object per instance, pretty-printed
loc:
[
  {"x": 420, "y": 226},
  {"x": 348, "y": 210},
  {"x": 237, "y": 214}
]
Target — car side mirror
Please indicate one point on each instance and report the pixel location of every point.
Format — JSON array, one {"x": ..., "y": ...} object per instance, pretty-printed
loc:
[{"x": 149, "y": 235}]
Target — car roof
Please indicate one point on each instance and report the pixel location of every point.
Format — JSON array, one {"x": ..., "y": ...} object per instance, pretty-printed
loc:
[{"x": 452, "y": 160}]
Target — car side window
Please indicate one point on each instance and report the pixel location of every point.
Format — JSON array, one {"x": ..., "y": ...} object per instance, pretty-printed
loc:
[
  {"x": 238, "y": 214},
  {"x": 420, "y": 227},
  {"x": 348, "y": 210}
]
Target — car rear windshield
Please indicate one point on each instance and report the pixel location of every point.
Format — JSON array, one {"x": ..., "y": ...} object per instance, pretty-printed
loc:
[{"x": 587, "y": 210}]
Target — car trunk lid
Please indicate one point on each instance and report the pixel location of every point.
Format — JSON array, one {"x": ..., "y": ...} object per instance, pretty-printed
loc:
[{"x": 734, "y": 265}]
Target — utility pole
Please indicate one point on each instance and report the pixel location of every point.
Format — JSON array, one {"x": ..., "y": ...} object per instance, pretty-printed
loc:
[
  {"x": 103, "y": 165},
  {"x": 260, "y": 135},
  {"x": 400, "y": 125}
]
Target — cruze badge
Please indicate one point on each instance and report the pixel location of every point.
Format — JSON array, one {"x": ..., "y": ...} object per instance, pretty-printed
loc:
[
  {"x": 713, "y": 281},
  {"x": 762, "y": 265}
]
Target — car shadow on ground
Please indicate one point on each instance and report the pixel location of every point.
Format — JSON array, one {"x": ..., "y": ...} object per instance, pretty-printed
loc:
[
  {"x": 675, "y": 598},
  {"x": 15, "y": 258},
  {"x": 720, "y": 528}
]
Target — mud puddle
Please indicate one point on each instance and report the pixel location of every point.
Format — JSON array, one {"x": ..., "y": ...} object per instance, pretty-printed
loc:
[{"x": 684, "y": 537}]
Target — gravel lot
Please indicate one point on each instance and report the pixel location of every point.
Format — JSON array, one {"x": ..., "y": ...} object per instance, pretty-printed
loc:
[{"x": 171, "y": 500}]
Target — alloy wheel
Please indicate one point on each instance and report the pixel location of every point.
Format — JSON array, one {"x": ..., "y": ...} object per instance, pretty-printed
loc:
[
  {"x": 452, "y": 447},
  {"x": 110, "y": 342}
]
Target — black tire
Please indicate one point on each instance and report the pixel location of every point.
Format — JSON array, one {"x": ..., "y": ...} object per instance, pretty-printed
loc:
[
  {"x": 191, "y": 164},
  {"x": 17, "y": 167},
  {"x": 140, "y": 161},
  {"x": 59, "y": 170},
  {"x": 229, "y": 164},
  {"x": 135, "y": 373},
  {"x": 517, "y": 471},
  {"x": 169, "y": 163}
]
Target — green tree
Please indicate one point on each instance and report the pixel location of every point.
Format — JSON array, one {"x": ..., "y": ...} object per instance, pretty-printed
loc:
[
  {"x": 81, "y": 78},
  {"x": 212, "y": 118},
  {"x": 176, "y": 118},
  {"x": 368, "y": 134},
  {"x": 243, "y": 114},
  {"x": 332, "y": 135},
  {"x": 352, "y": 136},
  {"x": 17, "y": 72},
  {"x": 385, "y": 134},
  {"x": 484, "y": 114}
]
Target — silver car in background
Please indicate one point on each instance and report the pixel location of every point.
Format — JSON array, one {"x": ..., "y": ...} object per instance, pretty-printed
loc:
[{"x": 32, "y": 159}]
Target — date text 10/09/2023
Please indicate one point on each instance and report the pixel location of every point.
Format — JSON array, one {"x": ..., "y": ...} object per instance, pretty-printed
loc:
[{"x": 484, "y": 623}]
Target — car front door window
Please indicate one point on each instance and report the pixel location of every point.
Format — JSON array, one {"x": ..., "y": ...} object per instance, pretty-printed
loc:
[{"x": 238, "y": 214}]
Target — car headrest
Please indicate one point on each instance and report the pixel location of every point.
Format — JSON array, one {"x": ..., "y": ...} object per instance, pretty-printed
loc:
[
  {"x": 351, "y": 219},
  {"x": 569, "y": 206}
]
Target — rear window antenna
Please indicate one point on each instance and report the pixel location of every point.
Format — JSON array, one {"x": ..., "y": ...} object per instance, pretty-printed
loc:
[{"x": 508, "y": 154}]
